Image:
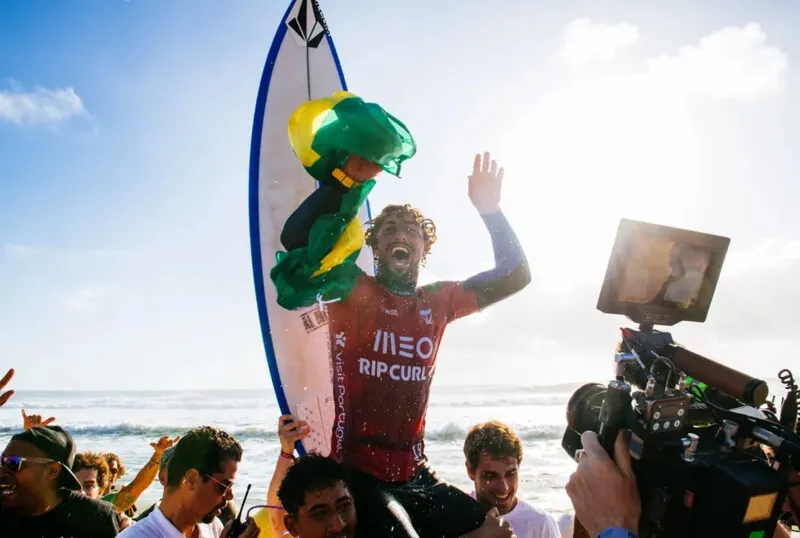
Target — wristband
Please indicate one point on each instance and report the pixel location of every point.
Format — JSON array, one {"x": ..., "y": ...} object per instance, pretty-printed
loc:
[
  {"x": 287, "y": 455},
  {"x": 343, "y": 178}
]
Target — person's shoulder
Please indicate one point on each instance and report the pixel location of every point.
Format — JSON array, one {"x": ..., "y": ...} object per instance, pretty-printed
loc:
[
  {"x": 440, "y": 286},
  {"x": 366, "y": 281},
  {"x": 100, "y": 516},
  {"x": 143, "y": 528},
  {"x": 79, "y": 501},
  {"x": 530, "y": 512}
]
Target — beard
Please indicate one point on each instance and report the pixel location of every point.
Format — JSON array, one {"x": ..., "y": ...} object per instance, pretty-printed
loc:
[
  {"x": 394, "y": 275},
  {"x": 209, "y": 517}
]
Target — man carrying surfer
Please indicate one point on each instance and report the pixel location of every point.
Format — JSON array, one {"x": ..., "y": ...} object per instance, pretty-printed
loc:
[{"x": 384, "y": 335}]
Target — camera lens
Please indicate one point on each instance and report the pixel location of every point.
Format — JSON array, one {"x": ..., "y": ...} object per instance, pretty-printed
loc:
[{"x": 583, "y": 408}]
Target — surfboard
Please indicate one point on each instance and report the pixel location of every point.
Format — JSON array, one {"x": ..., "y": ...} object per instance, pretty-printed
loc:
[{"x": 301, "y": 64}]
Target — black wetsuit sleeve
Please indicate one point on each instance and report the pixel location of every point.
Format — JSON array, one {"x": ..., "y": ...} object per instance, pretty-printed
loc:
[
  {"x": 324, "y": 200},
  {"x": 510, "y": 273}
]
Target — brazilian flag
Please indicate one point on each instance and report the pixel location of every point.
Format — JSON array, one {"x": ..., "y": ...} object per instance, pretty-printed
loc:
[{"x": 323, "y": 133}]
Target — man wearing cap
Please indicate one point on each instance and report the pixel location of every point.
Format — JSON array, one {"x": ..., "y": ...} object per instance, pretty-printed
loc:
[{"x": 39, "y": 494}]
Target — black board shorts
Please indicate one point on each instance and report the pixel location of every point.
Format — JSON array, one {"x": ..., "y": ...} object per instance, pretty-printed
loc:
[{"x": 423, "y": 507}]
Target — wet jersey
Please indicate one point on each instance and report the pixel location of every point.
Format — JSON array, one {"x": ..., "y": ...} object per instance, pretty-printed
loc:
[{"x": 383, "y": 352}]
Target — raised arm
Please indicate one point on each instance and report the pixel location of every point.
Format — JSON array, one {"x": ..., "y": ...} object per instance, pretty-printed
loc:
[
  {"x": 323, "y": 239},
  {"x": 289, "y": 432},
  {"x": 128, "y": 495},
  {"x": 510, "y": 273},
  {"x": 326, "y": 200}
]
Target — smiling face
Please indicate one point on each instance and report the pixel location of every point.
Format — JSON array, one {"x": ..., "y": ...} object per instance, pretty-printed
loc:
[
  {"x": 326, "y": 513},
  {"x": 496, "y": 481},
  {"x": 22, "y": 489},
  {"x": 400, "y": 239}
]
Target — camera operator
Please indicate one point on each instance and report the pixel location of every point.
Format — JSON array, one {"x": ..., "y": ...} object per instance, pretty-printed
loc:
[{"x": 604, "y": 493}]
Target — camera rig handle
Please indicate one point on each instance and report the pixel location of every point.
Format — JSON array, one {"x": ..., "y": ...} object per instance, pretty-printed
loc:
[
  {"x": 613, "y": 413},
  {"x": 741, "y": 386},
  {"x": 613, "y": 417}
]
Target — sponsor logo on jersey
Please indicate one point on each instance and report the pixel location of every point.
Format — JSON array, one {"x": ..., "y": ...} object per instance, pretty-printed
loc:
[
  {"x": 396, "y": 372},
  {"x": 340, "y": 388},
  {"x": 389, "y": 343},
  {"x": 427, "y": 315},
  {"x": 418, "y": 452}
]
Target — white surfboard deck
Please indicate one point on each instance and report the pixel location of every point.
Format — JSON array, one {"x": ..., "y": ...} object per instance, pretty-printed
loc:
[{"x": 301, "y": 65}]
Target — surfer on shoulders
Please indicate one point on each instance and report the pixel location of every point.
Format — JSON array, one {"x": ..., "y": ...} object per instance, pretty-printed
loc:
[{"x": 385, "y": 332}]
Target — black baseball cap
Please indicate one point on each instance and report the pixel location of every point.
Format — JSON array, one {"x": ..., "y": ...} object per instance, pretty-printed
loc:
[{"x": 58, "y": 446}]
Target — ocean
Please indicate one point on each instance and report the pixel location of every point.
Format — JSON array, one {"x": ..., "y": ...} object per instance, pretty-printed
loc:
[{"x": 127, "y": 422}]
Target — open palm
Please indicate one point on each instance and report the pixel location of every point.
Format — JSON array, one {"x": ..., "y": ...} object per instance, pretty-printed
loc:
[{"x": 485, "y": 184}]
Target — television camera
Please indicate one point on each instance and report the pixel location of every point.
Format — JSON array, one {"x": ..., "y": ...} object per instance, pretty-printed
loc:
[{"x": 712, "y": 456}]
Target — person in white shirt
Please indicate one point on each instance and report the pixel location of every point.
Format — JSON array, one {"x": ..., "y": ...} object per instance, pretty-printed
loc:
[
  {"x": 493, "y": 453},
  {"x": 200, "y": 476}
]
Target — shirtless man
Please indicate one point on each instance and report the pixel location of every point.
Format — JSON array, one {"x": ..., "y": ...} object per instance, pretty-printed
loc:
[{"x": 384, "y": 338}]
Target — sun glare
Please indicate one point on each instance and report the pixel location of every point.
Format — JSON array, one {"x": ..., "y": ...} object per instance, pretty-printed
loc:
[{"x": 590, "y": 155}]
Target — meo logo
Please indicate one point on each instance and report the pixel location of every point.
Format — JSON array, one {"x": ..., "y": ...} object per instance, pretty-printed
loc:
[{"x": 390, "y": 344}]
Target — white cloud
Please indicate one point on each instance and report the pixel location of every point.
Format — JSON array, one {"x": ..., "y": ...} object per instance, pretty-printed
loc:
[
  {"x": 734, "y": 62},
  {"x": 87, "y": 300},
  {"x": 767, "y": 254},
  {"x": 18, "y": 251},
  {"x": 585, "y": 40},
  {"x": 40, "y": 105}
]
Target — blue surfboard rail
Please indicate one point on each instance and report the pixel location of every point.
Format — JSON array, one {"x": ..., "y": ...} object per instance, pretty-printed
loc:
[{"x": 255, "y": 234}]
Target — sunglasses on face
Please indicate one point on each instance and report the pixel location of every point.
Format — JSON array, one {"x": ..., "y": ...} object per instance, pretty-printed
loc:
[
  {"x": 14, "y": 463},
  {"x": 222, "y": 488}
]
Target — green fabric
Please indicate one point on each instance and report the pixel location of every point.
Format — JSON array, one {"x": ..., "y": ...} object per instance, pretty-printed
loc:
[
  {"x": 364, "y": 129},
  {"x": 110, "y": 498},
  {"x": 292, "y": 274}
]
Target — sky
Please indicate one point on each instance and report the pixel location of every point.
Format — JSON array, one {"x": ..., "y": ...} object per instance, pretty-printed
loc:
[{"x": 124, "y": 144}]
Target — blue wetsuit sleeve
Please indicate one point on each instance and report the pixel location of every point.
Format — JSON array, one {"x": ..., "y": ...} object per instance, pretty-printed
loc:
[
  {"x": 324, "y": 200},
  {"x": 510, "y": 273}
]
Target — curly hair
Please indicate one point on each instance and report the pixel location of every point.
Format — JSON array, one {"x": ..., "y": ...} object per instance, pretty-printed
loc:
[
  {"x": 205, "y": 449},
  {"x": 110, "y": 458},
  {"x": 93, "y": 460},
  {"x": 312, "y": 472},
  {"x": 428, "y": 227},
  {"x": 493, "y": 438}
]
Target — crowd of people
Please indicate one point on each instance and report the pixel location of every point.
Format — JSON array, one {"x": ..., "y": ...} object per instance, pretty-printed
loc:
[{"x": 51, "y": 489}]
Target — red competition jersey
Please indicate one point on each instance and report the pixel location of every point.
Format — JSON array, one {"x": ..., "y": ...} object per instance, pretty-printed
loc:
[{"x": 383, "y": 351}]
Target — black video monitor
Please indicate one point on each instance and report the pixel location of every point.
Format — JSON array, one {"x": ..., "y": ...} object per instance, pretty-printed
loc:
[{"x": 659, "y": 275}]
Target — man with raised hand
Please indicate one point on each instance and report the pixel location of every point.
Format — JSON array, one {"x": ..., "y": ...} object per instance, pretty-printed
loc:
[{"x": 385, "y": 333}]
